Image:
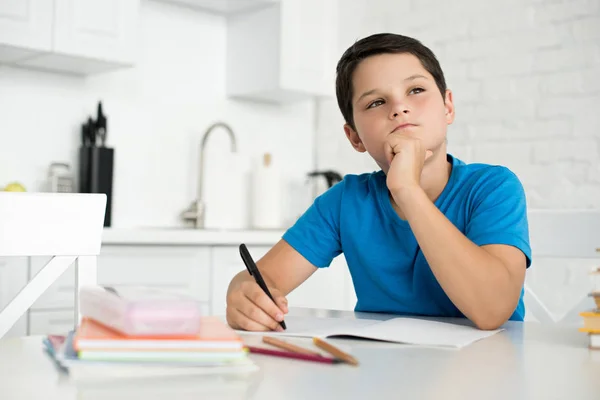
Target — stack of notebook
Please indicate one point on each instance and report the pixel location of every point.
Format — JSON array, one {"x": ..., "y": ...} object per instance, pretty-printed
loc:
[
  {"x": 97, "y": 349},
  {"x": 591, "y": 318},
  {"x": 591, "y": 322}
]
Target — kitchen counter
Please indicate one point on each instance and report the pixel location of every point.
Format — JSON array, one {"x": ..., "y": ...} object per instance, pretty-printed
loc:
[{"x": 188, "y": 236}]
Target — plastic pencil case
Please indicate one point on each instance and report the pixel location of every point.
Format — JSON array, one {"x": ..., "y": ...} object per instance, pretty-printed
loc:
[{"x": 141, "y": 311}]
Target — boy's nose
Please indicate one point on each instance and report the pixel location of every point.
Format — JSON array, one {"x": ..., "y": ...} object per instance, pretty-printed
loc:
[
  {"x": 398, "y": 107},
  {"x": 396, "y": 111}
]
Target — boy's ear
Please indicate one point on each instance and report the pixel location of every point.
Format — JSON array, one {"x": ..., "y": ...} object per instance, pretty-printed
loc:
[
  {"x": 449, "y": 105},
  {"x": 354, "y": 139}
]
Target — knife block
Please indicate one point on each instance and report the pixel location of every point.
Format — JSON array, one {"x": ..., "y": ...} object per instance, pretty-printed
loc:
[{"x": 96, "y": 166}]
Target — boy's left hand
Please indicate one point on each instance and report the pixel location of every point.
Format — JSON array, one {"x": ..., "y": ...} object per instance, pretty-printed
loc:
[{"x": 406, "y": 156}]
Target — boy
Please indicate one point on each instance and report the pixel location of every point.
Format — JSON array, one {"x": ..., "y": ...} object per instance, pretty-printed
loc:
[{"x": 426, "y": 235}]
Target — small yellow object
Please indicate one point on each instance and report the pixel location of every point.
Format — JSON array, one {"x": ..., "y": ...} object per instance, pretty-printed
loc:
[{"x": 14, "y": 187}]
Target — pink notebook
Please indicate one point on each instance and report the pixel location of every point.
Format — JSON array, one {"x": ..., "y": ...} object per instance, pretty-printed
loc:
[{"x": 141, "y": 311}]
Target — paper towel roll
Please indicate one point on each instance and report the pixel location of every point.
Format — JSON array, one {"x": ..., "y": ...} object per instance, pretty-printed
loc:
[
  {"x": 226, "y": 193},
  {"x": 266, "y": 196}
]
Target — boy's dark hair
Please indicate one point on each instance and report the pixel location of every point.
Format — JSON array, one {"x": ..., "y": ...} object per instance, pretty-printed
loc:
[{"x": 380, "y": 43}]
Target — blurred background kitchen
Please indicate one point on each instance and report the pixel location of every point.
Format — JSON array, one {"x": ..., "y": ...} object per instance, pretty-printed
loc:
[{"x": 254, "y": 81}]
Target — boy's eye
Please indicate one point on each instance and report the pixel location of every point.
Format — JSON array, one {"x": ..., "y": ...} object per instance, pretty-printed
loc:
[
  {"x": 375, "y": 103},
  {"x": 416, "y": 90}
]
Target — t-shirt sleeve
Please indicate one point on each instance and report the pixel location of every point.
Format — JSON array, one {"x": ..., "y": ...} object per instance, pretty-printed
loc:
[
  {"x": 498, "y": 213},
  {"x": 316, "y": 234}
]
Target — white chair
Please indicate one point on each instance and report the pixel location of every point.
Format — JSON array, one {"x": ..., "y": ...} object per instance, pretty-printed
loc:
[
  {"x": 561, "y": 239},
  {"x": 66, "y": 226}
]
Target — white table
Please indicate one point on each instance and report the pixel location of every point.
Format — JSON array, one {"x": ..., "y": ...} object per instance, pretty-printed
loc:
[{"x": 525, "y": 361}]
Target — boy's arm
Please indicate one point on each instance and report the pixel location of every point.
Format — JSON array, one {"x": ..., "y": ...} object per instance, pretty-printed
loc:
[
  {"x": 248, "y": 307},
  {"x": 484, "y": 282},
  {"x": 313, "y": 241}
]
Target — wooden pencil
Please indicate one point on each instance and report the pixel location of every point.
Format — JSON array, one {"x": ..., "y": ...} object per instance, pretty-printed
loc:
[
  {"x": 334, "y": 351},
  {"x": 288, "y": 346}
]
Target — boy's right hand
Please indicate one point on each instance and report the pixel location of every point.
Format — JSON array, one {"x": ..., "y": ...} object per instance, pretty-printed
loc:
[{"x": 249, "y": 308}]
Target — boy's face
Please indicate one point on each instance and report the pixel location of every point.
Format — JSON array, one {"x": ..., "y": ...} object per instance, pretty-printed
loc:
[{"x": 393, "y": 93}]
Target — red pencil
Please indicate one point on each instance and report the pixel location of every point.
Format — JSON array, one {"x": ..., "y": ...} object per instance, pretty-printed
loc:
[{"x": 289, "y": 354}]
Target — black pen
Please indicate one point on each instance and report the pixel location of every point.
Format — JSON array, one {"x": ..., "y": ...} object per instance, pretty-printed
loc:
[{"x": 253, "y": 270}]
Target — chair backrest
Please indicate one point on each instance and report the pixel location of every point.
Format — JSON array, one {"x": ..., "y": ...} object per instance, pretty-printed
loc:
[
  {"x": 51, "y": 224},
  {"x": 65, "y": 226},
  {"x": 564, "y": 247}
]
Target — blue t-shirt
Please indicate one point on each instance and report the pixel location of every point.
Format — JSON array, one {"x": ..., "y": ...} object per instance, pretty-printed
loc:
[{"x": 390, "y": 274}]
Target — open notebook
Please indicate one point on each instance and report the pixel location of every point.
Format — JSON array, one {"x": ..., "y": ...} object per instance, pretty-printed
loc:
[{"x": 398, "y": 330}]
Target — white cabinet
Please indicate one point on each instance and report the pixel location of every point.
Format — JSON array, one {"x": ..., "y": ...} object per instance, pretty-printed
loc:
[
  {"x": 13, "y": 277},
  {"x": 226, "y": 263},
  {"x": 59, "y": 322},
  {"x": 202, "y": 271},
  {"x": 25, "y": 28},
  {"x": 182, "y": 269},
  {"x": 224, "y": 7},
  {"x": 308, "y": 46},
  {"x": 329, "y": 288},
  {"x": 60, "y": 293},
  {"x": 77, "y": 36},
  {"x": 53, "y": 322},
  {"x": 282, "y": 53},
  {"x": 102, "y": 29}
]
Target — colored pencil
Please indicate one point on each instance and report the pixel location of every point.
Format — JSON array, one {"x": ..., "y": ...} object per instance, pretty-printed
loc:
[
  {"x": 334, "y": 351},
  {"x": 289, "y": 354},
  {"x": 289, "y": 346}
]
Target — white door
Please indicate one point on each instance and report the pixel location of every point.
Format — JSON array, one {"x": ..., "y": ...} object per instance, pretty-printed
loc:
[
  {"x": 25, "y": 28},
  {"x": 226, "y": 263},
  {"x": 13, "y": 277},
  {"x": 309, "y": 45},
  {"x": 105, "y": 30}
]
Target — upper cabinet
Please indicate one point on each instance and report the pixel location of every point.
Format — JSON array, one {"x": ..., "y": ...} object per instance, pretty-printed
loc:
[
  {"x": 25, "y": 28},
  {"x": 284, "y": 52},
  {"x": 224, "y": 7},
  {"x": 77, "y": 36},
  {"x": 277, "y": 50}
]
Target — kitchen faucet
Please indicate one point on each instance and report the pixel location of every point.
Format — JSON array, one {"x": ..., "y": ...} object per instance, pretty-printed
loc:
[{"x": 196, "y": 212}]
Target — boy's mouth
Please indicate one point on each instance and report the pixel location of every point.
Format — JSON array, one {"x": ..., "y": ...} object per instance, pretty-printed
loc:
[{"x": 403, "y": 127}]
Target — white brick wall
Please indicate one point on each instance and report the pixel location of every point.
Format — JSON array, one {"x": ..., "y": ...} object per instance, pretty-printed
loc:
[{"x": 526, "y": 82}]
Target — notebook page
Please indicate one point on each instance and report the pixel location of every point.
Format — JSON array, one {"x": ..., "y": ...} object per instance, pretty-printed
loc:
[
  {"x": 298, "y": 326},
  {"x": 423, "y": 332}
]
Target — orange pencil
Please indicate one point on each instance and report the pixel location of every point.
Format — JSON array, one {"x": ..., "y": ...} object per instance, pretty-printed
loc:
[
  {"x": 335, "y": 351},
  {"x": 288, "y": 346}
]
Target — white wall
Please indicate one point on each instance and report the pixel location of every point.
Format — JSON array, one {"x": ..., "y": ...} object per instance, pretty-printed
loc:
[
  {"x": 157, "y": 113},
  {"x": 523, "y": 74},
  {"x": 526, "y": 86}
]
